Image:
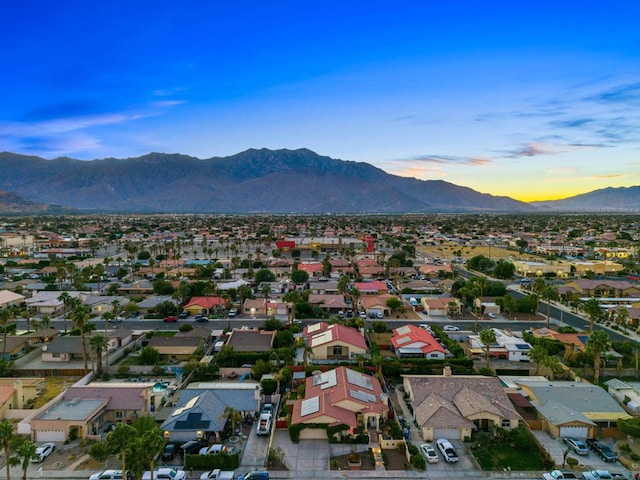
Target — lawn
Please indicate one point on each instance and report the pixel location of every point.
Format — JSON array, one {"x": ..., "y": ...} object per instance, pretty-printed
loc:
[
  {"x": 499, "y": 457},
  {"x": 505, "y": 451},
  {"x": 54, "y": 386}
]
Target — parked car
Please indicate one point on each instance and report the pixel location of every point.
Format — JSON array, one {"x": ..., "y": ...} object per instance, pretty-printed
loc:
[
  {"x": 169, "y": 452},
  {"x": 450, "y": 328},
  {"x": 447, "y": 450},
  {"x": 597, "y": 475},
  {"x": 604, "y": 451},
  {"x": 215, "y": 448},
  {"x": 43, "y": 451},
  {"x": 202, "y": 319},
  {"x": 492, "y": 315},
  {"x": 379, "y": 315},
  {"x": 267, "y": 408},
  {"x": 217, "y": 474},
  {"x": 429, "y": 453},
  {"x": 191, "y": 447},
  {"x": 170, "y": 318},
  {"x": 255, "y": 475},
  {"x": 578, "y": 446},
  {"x": 107, "y": 475},
  {"x": 165, "y": 474},
  {"x": 232, "y": 312},
  {"x": 183, "y": 314}
]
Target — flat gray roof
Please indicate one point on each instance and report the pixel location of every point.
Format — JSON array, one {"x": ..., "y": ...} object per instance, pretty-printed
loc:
[{"x": 74, "y": 409}]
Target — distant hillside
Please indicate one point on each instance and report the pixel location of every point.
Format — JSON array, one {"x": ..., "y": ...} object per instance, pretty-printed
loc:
[
  {"x": 268, "y": 181},
  {"x": 11, "y": 203},
  {"x": 621, "y": 199}
]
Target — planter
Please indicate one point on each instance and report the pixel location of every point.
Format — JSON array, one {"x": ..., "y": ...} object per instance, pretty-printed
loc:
[{"x": 354, "y": 462}]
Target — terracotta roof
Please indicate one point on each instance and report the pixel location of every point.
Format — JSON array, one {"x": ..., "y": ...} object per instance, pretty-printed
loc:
[
  {"x": 206, "y": 302},
  {"x": 336, "y": 332},
  {"x": 6, "y": 393},
  {"x": 410, "y": 336}
]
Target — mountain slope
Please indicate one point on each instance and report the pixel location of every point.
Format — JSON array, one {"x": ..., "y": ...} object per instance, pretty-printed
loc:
[
  {"x": 621, "y": 199},
  {"x": 270, "y": 181}
]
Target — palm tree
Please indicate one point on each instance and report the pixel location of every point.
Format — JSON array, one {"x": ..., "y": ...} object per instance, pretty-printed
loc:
[
  {"x": 593, "y": 310},
  {"x": 549, "y": 293},
  {"x": 80, "y": 317},
  {"x": 232, "y": 414},
  {"x": 5, "y": 315},
  {"x": 538, "y": 287},
  {"x": 266, "y": 290},
  {"x": 622, "y": 315},
  {"x": 120, "y": 439},
  {"x": 25, "y": 452},
  {"x": 65, "y": 298},
  {"x": 597, "y": 343},
  {"x": 487, "y": 337},
  {"x": 7, "y": 438},
  {"x": 99, "y": 344},
  {"x": 538, "y": 355}
]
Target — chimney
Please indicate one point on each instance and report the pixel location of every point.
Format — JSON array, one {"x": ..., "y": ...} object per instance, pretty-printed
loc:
[
  {"x": 17, "y": 385},
  {"x": 446, "y": 372}
]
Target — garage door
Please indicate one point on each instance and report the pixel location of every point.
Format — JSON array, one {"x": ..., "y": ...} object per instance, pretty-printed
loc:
[
  {"x": 575, "y": 432},
  {"x": 51, "y": 436},
  {"x": 313, "y": 434},
  {"x": 450, "y": 433}
]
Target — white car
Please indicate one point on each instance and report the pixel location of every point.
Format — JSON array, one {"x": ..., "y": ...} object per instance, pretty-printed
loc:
[
  {"x": 165, "y": 474},
  {"x": 107, "y": 475},
  {"x": 429, "y": 453},
  {"x": 43, "y": 451},
  {"x": 447, "y": 450},
  {"x": 215, "y": 448},
  {"x": 450, "y": 328},
  {"x": 492, "y": 315}
]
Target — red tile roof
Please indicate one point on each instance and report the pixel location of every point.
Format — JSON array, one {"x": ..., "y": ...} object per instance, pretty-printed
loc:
[
  {"x": 410, "y": 336},
  {"x": 206, "y": 302}
]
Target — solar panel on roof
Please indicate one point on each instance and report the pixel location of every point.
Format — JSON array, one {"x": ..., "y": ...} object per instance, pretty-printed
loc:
[
  {"x": 403, "y": 330},
  {"x": 358, "y": 379},
  {"x": 326, "y": 379},
  {"x": 403, "y": 340},
  {"x": 309, "y": 406},
  {"x": 364, "y": 396}
]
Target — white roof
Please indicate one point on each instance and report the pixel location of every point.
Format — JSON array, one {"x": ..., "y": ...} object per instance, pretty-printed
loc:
[{"x": 7, "y": 296}]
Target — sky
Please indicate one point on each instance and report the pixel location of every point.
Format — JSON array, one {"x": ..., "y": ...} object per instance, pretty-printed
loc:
[{"x": 536, "y": 100}]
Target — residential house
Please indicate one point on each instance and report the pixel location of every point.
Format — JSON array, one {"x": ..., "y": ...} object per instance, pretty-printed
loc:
[
  {"x": 31, "y": 387},
  {"x": 150, "y": 303},
  {"x": 15, "y": 346},
  {"x": 199, "y": 412},
  {"x": 264, "y": 306},
  {"x": 440, "y": 306},
  {"x": 374, "y": 304},
  {"x": 626, "y": 393},
  {"x": 176, "y": 348},
  {"x": 371, "y": 288},
  {"x": 332, "y": 304},
  {"x": 118, "y": 338},
  {"x": 604, "y": 288},
  {"x": 100, "y": 304},
  {"x": 508, "y": 347},
  {"x": 64, "y": 349},
  {"x": 574, "y": 341},
  {"x": 340, "y": 396},
  {"x": 334, "y": 342},
  {"x": 486, "y": 305},
  {"x": 48, "y": 303},
  {"x": 324, "y": 287},
  {"x": 573, "y": 409},
  {"x": 451, "y": 406},
  {"x": 9, "y": 298},
  {"x": 85, "y": 411},
  {"x": 251, "y": 340},
  {"x": 206, "y": 305},
  {"x": 410, "y": 341}
]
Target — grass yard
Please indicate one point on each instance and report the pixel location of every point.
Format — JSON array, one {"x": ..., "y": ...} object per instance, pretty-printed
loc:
[
  {"x": 499, "y": 457},
  {"x": 515, "y": 450},
  {"x": 54, "y": 386},
  {"x": 445, "y": 252}
]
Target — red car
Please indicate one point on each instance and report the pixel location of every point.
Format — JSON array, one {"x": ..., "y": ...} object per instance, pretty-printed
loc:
[{"x": 171, "y": 319}]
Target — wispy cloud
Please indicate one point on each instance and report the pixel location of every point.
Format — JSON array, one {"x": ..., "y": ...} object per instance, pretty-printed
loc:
[
  {"x": 449, "y": 159},
  {"x": 629, "y": 93},
  {"x": 532, "y": 149}
]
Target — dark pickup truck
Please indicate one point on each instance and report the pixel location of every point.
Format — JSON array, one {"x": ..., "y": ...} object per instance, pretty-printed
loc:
[{"x": 601, "y": 449}]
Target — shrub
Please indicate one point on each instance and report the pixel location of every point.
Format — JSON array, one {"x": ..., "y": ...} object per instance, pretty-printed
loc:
[
  {"x": 413, "y": 450},
  {"x": 185, "y": 327},
  {"x": 572, "y": 462},
  {"x": 418, "y": 462},
  {"x": 624, "y": 448},
  {"x": 223, "y": 461},
  {"x": 635, "y": 457}
]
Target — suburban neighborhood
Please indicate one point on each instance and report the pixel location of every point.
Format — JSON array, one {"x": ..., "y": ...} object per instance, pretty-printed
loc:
[{"x": 305, "y": 347}]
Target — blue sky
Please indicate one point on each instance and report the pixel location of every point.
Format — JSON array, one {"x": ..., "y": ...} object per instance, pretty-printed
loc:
[{"x": 535, "y": 100}]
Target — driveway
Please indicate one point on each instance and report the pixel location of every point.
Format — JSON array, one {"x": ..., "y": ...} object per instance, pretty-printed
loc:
[{"x": 306, "y": 456}]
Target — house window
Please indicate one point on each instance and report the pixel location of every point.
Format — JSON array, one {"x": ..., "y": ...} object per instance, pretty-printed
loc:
[
  {"x": 119, "y": 414},
  {"x": 337, "y": 351},
  {"x": 506, "y": 423},
  {"x": 55, "y": 355}
]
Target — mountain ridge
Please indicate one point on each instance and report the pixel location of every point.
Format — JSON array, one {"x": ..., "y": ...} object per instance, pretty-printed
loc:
[{"x": 279, "y": 181}]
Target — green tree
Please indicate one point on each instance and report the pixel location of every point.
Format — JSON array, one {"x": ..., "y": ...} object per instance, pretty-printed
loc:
[
  {"x": 233, "y": 416},
  {"x": 264, "y": 275},
  {"x": 593, "y": 310},
  {"x": 504, "y": 269},
  {"x": 80, "y": 319},
  {"x": 25, "y": 452},
  {"x": 149, "y": 356},
  {"x": 394, "y": 303},
  {"x": 597, "y": 343},
  {"x": 487, "y": 337},
  {"x": 7, "y": 439},
  {"x": 538, "y": 355},
  {"x": 549, "y": 294},
  {"x": 98, "y": 345},
  {"x": 146, "y": 446},
  {"x": 119, "y": 440},
  {"x": 65, "y": 298},
  {"x": 299, "y": 277},
  {"x": 272, "y": 323}
]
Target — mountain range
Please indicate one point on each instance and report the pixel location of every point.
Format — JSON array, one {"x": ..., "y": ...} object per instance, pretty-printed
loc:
[{"x": 253, "y": 181}]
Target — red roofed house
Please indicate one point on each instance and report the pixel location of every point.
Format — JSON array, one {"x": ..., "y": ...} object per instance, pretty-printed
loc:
[
  {"x": 205, "y": 305},
  {"x": 334, "y": 342},
  {"x": 410, "y": 341},
  {"x": 313, "y": 269},
  {"x": 371, "y": 288},
  {"x": 340, "y": 396},
  {"x": 440, "y": 306}
]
